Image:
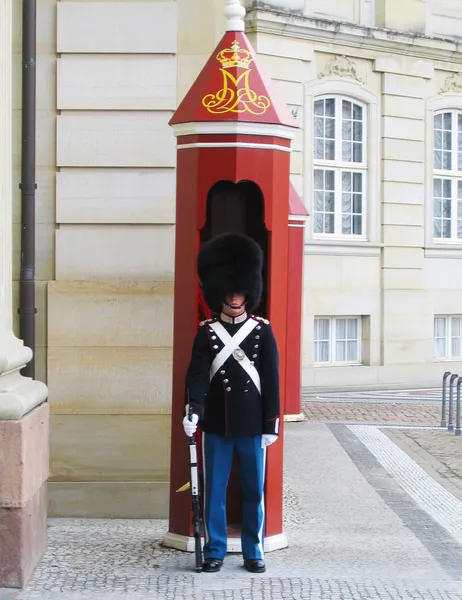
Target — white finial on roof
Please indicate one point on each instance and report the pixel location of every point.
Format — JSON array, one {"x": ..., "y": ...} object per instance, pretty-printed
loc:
[{"x": 235, "y": 13}]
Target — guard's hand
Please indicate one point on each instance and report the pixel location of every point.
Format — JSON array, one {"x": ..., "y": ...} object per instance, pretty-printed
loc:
[
  {"x": 190, "y": 426},
  {"x": 267, "y": 439}
]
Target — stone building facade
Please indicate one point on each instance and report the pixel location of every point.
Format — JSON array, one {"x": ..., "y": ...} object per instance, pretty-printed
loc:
[{"x": 376, "y": 87}]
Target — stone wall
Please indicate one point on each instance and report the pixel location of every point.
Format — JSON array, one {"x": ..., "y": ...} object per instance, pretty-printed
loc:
[{"x": 110, "y": 74}]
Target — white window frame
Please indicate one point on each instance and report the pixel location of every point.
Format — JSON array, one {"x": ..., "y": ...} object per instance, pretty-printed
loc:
[
  {"x": 438, "y": 247},
  {"x": 370, "y": 242},
  {"x": 339, "y": 166},
  {"x": 448, "y": 338},
  {"x": 454, "y": 175},
  {"x": 332, "y": 341}
]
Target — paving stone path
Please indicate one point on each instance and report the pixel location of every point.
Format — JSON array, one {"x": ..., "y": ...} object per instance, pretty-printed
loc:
[
  {"x": 363, "y": 519},
  {"x": 397, "y": 407}
]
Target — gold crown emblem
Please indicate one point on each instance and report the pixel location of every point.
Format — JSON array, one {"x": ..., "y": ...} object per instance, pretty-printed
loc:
[{"x": 235, "y": 57}]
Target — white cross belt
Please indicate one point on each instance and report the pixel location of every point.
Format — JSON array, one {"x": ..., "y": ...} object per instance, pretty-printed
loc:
[{"x": 232, "y": 343}]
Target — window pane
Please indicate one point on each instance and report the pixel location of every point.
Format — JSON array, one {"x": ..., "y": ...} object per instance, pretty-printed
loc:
[
  {"x": 442, "y": 140},
  {"x": 459, "y": 142},
  {"x": 351, "y": 203},
  {"x": 440, "y": 348},
  {"x": 318, "y": 201},
  {"x": 329, "y": 224},
  {"x": 352, "y": 351},
  {"x": 318, "y": 148},
  {"x": 357, "y": 152},
  {"x": 346, "y": 109},
  {"x": 340, "y": 329},
  {"x": 322, "y": 340},
  {"x": 455, "y": 347},
  {"x": 440, "y": 327},
  {"x": 347, "y": 151},
  {"x": 319, "y": 107},
  {"x": 324, "y": 129},
  {"x": 442, "y": 208},
  {"x": 440, "y": 337},
  {"x": 340, "y": 351},
  {"x": 329, "y": 180},
  {"x": 352, "y": 329},
  {"x": 330, "y": 107},
  {"x": 455, "y": 326},
  {"x": 357, "y": 112},
  {"x": 322, "y": 329}
]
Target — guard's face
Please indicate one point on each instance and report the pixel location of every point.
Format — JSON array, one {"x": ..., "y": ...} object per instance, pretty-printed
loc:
[{"x": 234, "y": 304}]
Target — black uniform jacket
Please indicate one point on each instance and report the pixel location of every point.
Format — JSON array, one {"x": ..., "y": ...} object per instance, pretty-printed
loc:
[{"x": 230, "y": 404}]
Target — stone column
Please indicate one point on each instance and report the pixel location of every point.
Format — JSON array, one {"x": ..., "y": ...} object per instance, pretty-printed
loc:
[
  {"x": 23, "y": 410},
  {"x": 407, "y": 322}
]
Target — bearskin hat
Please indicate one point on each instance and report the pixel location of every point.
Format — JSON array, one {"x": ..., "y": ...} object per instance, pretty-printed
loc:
[{"x": 229, "y": 264}]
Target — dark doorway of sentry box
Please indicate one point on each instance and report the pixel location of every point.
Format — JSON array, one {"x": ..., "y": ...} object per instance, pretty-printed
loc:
[{"x": 238, "y": 208}]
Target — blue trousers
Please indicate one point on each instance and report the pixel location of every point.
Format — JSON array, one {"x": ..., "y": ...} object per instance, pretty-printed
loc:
[{"x": 218, "y": 452}]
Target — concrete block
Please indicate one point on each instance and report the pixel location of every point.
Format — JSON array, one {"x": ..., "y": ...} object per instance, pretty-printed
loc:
[
  {"x": 115, "y": 381},
  {"x": 405, "y": 108},
  {"x": 403, "y": 191},
  {"x": 94, "y": 314},
  {"x": 403, "y": 129},
  {"x": 23, "y": 458},
  {"x": 189, "y": 67},
  {"x": 403, "y": 214},
  {"x": 197, "y": 22},
  {"x": 402, "y": 15},
  {"x": 402, "y": 85},
  {"x": 403, "y": 171},
  {"x": 344, "y": 10},
  {"x": 404, "y": 65},
  {"x": 402, "y": 235},
  {"x": 403, "y": 279},
  {"x": 289, "y": 91},
  {"x": 281, "y": 46},
  {"x": 110, "y": 448},
  {"x": 117, "y": 27},
  {"x": 122, "y": 82},
  {"x": 144, "y": 253},
  {"x": 285, "y": 69},
  {"x": 443, "y": 274},
  {"x": 109, "y": 500},
  {"x": 406, "y": 150},
  {"x": 403, "y": 258},
  {"x": 115, "y": 196},
  {"x": 115, "y": 139},
  {"x": 23, "y": 539}
]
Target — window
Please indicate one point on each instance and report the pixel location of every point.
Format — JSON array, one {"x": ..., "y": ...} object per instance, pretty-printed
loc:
[
  {"x": 447, "y": 336},
  {"x": 447, "y": 177},
  {"x": 339, "y": 168},
  {"x": 337, "y": 340}
]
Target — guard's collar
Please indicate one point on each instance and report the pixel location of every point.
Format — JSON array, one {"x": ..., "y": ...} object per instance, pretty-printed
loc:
[{"x": 233, "y": 321}]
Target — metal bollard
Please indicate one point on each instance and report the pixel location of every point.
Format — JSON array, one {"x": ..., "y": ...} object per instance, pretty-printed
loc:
[
  {"x": 453, "y": 377},
  {"x": 443, "y": 399},
  {"x": 459, "y": 383}
]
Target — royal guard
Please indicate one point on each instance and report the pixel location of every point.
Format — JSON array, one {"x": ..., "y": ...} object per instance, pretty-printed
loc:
[{"x": 232, "y": 386}]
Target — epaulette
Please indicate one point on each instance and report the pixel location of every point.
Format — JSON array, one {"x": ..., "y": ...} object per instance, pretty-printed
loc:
[
  {"x": 260, "y": 319},
  {"x": 206, "y": 322}
]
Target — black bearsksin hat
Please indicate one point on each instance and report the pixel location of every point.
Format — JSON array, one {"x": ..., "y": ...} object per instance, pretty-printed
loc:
[{"x": 228, "y": 264}]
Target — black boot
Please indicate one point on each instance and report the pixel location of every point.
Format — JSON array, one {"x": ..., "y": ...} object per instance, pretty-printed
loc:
[
  {"x": 212, "y": 565},
  {"x": 254, "y": 565}
]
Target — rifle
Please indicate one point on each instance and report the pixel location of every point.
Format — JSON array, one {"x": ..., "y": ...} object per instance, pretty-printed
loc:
[{"x": 195, "y": 495}]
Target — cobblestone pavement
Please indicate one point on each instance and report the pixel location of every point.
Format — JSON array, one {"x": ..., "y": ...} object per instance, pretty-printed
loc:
[
  {"x": 397, "y": 407},
  {"x": 443, "y": 446},
  {"x": 355, "y": 533}
]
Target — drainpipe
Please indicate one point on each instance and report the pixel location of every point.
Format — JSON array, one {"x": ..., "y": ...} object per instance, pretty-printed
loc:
[{"x": 28, "y": 186}]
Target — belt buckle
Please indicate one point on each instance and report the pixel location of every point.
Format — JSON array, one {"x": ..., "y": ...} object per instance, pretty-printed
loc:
[{"x": 239, "y": 354}]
